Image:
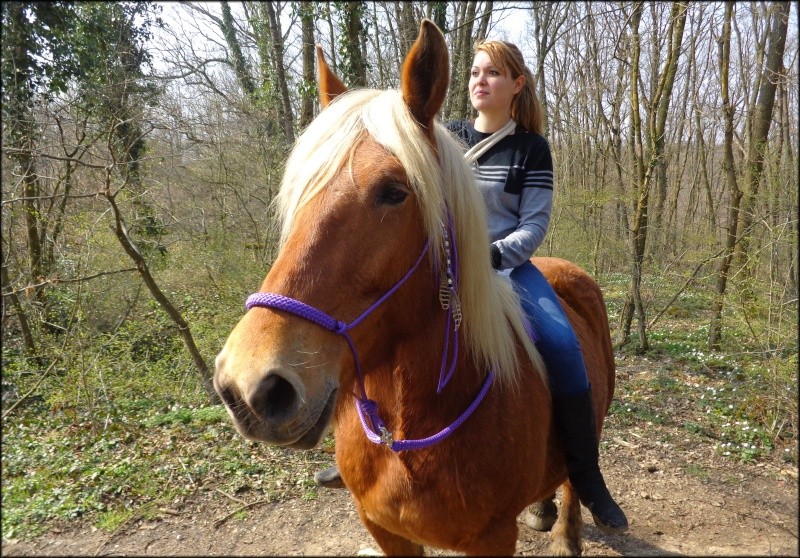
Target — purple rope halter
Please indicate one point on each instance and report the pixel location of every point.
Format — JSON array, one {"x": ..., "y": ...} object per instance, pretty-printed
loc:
[{"x": 374, "y": 427}]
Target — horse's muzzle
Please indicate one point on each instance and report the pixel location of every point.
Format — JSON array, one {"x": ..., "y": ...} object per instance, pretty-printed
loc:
[{"x": 278, "y": 408}]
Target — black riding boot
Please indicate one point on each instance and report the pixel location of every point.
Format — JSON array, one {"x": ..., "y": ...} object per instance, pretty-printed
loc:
[
  {"x": 577, "y": 428},
  {"x": 329, "y": 478}
]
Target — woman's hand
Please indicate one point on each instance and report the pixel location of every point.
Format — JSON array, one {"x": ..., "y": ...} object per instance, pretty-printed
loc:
[{"x": 497, "y": 258}]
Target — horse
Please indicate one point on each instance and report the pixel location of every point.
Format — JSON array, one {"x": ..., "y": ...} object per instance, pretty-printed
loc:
[{"x": 383, "y": 275}]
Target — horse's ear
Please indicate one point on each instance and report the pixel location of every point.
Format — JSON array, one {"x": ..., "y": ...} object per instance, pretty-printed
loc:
[
  {"x": 426, "y": 74},
  {"x": 329, "y": 85}
]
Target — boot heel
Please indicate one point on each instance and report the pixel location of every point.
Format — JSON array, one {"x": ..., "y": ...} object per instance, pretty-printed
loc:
[
  {"x": 608, "y": 528},
  {"x": 329, "y": 478}
]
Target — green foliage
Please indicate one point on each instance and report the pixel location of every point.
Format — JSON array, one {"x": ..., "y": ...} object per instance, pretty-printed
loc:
[
  {"x": 196, "y": 417},
  {"x": 37, "y": 54},
  {"x": 633, "y": 413},
  {"x": 697, "y": 471},
  {"x": 746, "y": 395},
  {"x": 60, "y": 466},
  {"x": 352, "y": 30},
  {"x": 109, "y": 41},
  {"x": 47, "y": 45}
]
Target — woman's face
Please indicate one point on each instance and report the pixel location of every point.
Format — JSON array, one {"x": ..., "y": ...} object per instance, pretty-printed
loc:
[{"x": 490, "y": 91}]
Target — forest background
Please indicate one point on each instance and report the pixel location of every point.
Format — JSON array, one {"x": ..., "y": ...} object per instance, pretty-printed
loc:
[{"x": 142, "y": 145}]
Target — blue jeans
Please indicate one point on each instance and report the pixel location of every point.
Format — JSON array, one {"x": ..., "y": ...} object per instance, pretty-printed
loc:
[{"x": 556, "y": 340}]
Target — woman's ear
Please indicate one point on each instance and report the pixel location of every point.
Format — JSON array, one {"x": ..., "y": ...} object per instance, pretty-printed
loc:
[{"x": 519, "y": 83}]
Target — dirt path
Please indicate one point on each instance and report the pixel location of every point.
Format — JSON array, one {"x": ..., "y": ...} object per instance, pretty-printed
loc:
[
  {"x": 680, "y": 496},
  {"x": 733, "y": 510}
]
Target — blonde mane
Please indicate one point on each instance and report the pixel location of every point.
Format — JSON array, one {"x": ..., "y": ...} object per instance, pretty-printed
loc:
[{"x": 491, "y": 319}]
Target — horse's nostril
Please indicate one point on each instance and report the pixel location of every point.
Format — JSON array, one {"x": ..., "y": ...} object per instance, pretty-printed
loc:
[
  {"x": 227, "y": 397},
  {"x": 275, "y": 398}
]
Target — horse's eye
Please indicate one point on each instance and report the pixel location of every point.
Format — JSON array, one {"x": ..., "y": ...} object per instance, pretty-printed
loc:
[{"x": 392, "y": 194}]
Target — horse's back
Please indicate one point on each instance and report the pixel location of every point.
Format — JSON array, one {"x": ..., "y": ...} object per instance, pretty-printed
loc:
[{"x": 586, "y": 309}]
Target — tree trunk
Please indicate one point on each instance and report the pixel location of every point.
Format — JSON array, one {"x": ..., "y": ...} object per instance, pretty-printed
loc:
[
  {"x": 308, "y": 92},
  {"x": 439, "y": 14},
  {"x": 485, "y": 19},
  {"x": 382, "y": 84},
  {"x": 10, "y": 293},
  {"x": 333, "y": 63},
  {"x": 286, "y": 113},
  {"x": 353, "y": 65},
  {"x": 406, "y": 25},
  {"x": 462, "y": 108},
  {"x": 637, "y": 158},
  {"x": 19, "y": 131},
  {"x": 548, "y": 19},
  {"x": 735, "y": 194},
  {"x": 761, "y": 121},
  {"x": 240, "y": 66},
  {"x": 658, "y": 110}
]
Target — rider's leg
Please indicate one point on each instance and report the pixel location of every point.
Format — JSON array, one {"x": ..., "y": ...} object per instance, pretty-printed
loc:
[{"x": 573, "y": 412}]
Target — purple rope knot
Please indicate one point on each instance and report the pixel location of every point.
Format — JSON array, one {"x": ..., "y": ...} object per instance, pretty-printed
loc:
[{"x": 370, "y": 408}]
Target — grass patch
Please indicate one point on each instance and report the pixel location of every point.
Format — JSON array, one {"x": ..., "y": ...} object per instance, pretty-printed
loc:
[
  {"x": 629, "y": 414},
  {"x": 697, "y": 471},
  {"x": 744, "y": 395},
  {"x": 62, "y": 467},
  {"x": 730, "y": 410},
  {"x": 112, "y": 520}
]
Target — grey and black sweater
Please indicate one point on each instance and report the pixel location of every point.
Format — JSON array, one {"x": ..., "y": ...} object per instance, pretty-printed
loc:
[{"x": 516, "y": 179}]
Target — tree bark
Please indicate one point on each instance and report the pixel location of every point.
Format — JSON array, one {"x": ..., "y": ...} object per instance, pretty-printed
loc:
[
  {"x": 461, "y": 63},
  {"x": 308, "y": 93},
  {"x": 658, "y": 110},
  {"x": 354, "y": 66},
  {"x": 485, "y": 19},
  {"x": 637, "y": 157},
  {"x": 761, "y": 121},
  {"x": 548, "y": 19},
  {"x": 10, "y": 293},
  {"x": 735, "y": 194},
  {"x": 286, "y": 113},
  {"x": 240, "y": 66},
  {"x": 20, "y": 132}
]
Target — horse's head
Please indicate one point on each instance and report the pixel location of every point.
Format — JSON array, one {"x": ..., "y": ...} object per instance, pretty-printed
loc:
[{"x": 353, "y": 224}]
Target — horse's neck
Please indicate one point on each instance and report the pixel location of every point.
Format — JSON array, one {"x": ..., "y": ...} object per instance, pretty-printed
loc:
[{"x": 405, "y": 384}]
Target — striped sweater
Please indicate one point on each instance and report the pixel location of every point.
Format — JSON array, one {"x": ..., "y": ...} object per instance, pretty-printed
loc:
[{"x": 516, "y": 179}]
